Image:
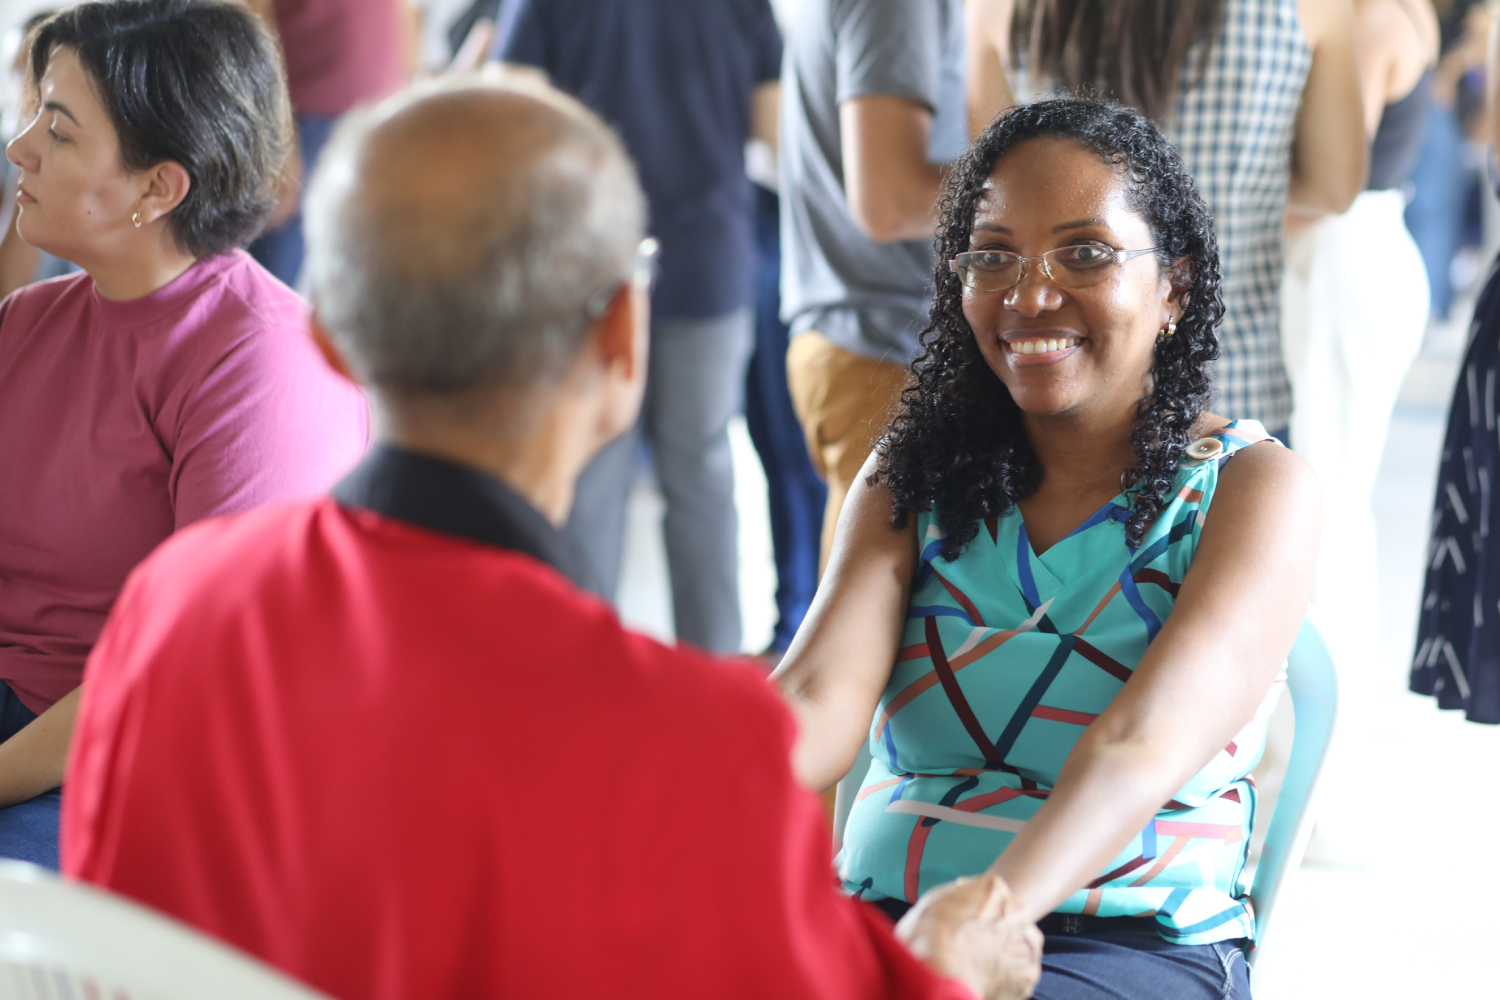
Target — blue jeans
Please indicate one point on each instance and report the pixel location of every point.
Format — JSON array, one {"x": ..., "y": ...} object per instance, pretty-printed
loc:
[
  {"x": 280, "y": 250},
  {"x": 28, "y": 830},
  {"x": 1435, "y": 215},
  {"x": 796, "y": 494},
  {"x": 695, "y": 385},
  {"x": 1128, "y": 961},
  {"x": 1136, "y": 967}
]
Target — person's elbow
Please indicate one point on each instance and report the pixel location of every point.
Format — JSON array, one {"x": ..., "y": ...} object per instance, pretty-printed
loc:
[
  {"x": 1330, "y": 184},
  {"x": 885, "y": 218},
  {"x": 876, "y": 219},
  {"x": 1332, "y": 195}
]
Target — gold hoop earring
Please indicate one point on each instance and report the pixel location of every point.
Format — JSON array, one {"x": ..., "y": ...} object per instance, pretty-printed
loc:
[
  {"x": 136, "y": 218},
  {"x": 1167, "y": 331}
]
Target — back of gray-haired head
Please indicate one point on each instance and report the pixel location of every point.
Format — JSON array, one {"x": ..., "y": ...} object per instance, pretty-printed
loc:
[{"x": 457, "y": 234}]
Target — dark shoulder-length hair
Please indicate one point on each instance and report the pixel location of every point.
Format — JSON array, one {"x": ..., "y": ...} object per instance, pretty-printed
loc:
[
  {"x": 1132, "y": 51},
  {"x": 957, "y": 443},
  {"x": 195, "y": 81}
]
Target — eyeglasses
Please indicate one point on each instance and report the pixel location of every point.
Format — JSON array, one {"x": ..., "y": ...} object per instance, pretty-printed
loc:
[
  {"x": 642, "y": 273},
  {"x": 1070, "y": 267}
]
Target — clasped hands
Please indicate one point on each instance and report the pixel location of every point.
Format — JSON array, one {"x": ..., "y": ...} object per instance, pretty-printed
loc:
[{"x": 974, "y": 930}]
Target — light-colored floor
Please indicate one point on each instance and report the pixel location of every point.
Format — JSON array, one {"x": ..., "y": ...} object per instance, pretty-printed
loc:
[
  {"x": 1411, "y": 912},
  {"x": 1405, "y": 903}
]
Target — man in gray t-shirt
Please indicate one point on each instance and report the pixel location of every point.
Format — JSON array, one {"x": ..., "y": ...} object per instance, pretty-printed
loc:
[{"x": 872, "y": 107}]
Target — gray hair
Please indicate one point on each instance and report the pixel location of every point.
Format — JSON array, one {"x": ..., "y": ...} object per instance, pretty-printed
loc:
[{"x": 457, "y": 233}]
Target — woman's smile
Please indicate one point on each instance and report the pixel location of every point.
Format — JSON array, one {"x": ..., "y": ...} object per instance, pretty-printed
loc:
[{"x": 1030, "y": 351}]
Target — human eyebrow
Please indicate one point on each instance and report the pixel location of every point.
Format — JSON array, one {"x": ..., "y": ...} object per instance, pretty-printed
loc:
[
  {"x": 989, "y": 227},
  {"x": 60, "y": 109},
  {"x": 1080, "y": 224}
]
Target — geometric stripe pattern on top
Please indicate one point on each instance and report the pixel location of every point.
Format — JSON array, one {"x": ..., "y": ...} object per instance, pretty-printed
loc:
[{"x": 1006, "y": 657}]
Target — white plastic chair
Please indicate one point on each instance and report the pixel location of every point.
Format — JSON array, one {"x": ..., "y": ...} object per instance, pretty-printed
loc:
[
  {"x": 66, "y": 941},
  {"x": 1313, "y": 687}
]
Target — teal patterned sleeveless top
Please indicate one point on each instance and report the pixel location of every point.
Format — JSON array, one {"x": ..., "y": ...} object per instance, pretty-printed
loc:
[{"x": 1006, "y": 657}]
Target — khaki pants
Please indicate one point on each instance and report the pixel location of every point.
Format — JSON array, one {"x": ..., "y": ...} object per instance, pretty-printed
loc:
[{"x": 843, "y": 401}]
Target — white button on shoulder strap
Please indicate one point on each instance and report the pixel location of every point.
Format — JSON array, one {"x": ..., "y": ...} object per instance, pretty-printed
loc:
[{"x": 1204, "y": 449}]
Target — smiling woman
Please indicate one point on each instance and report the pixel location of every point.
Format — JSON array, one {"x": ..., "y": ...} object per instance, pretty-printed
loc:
[
  {"x": 1024, "y": 595},
  {"x": 173, "y": 379}
]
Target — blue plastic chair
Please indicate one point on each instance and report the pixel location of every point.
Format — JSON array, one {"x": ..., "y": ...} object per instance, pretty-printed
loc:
[{"x": 1313, "y": 686}]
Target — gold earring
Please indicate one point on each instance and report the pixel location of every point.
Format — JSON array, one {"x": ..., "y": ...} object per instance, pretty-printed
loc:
[
  {"x": 136, "y": 218},
  {"x": 1168, "y": 330}
]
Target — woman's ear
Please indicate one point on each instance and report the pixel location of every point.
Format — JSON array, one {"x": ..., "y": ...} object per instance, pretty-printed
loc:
[
  {"x": 167, "y": 184},
  {"x": 1180, "y": 276}
]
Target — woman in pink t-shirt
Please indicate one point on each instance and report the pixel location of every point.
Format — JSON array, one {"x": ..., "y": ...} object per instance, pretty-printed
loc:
[{"x": 170, "y": 381}]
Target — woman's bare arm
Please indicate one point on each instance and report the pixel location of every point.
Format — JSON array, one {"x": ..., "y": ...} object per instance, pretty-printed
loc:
[
  {"x": 1330, "y": 150},
  {"x": 1200, "y": 682},
  {"x": 34, "y": 759},
  {"x": 839, "y": 663},
  {"x": 1396, "y": 41}
]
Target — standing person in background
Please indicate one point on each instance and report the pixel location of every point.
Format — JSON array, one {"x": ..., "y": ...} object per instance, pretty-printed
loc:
[
  {"x": 685, "y": 85},
  {"x": 172, "y": 380},
  {"x": 1262, "y": 98},
  {"x": 1444, "y": 213},
  {"x": 796, "y": 493},
  {"x": 1355, "y": 304},
  {"x": 1458, "y": 634},
  {"x": 339, "y": 54},
  {"x": 1354, "y": 309},
  {"x": 872, "y": 109}
]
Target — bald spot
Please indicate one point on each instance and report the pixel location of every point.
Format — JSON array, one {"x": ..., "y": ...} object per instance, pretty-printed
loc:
[{"x": 449, "y": 173}]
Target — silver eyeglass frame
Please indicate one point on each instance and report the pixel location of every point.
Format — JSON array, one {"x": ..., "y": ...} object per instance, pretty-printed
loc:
[{"x": 1117, "y": 257}]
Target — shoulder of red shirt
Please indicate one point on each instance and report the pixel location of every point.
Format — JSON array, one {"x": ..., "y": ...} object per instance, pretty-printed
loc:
[{"x": 227, "y": 558}]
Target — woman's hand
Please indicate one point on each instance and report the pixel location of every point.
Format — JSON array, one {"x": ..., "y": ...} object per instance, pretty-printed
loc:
[
  {"x": 973, "y": 930},
  {"x": 1237, "y": 614},
  {"x": 838, "y": 665}
]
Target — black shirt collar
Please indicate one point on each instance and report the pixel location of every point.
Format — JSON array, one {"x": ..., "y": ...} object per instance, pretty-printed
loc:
[{"x": 455, "y": 499}]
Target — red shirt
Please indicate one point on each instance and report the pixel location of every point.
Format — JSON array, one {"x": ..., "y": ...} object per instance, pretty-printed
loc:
[
  {"x": 398, "y": 763},
  {"x": 340, "y": 53}
]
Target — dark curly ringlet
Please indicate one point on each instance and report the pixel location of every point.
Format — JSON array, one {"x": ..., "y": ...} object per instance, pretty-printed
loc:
[
  {"x": 957, "y": 443},
  {"x": 195, "y": 81}
]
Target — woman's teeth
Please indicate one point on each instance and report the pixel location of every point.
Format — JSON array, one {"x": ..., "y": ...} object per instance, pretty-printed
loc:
[{"x": 1042, "y": 346}]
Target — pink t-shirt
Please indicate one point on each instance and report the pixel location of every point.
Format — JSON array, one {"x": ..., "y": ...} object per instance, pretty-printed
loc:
[
  {"x": 340, "y": 53},
  {"x": 121, "y": 422}
]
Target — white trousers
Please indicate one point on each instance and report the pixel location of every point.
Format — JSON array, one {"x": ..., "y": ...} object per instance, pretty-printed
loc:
[{"x": 1354, "y": 310}]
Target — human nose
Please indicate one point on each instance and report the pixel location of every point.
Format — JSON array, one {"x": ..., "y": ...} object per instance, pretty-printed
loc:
[
  {"x": 22, "y": 149},
  {"x": 1034, "y": 291}
]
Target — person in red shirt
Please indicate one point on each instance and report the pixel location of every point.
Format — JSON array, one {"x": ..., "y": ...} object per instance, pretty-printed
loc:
[{"x": 385, "y": 741}]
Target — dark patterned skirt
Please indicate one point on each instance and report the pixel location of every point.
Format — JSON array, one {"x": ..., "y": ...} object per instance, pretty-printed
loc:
[{"x": 1458, "y": 636}]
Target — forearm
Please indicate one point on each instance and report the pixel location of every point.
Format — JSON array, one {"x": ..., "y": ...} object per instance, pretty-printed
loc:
[
  {"x": 890, "y": 186},
  {"x": 34, "y": 759},
  {"x": 1105, "y": 794},
  {"x": 899, "y": 206}
]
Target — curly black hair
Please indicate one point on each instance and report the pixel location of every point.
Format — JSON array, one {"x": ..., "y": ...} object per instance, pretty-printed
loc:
[{"x": 956, "y": 442}]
